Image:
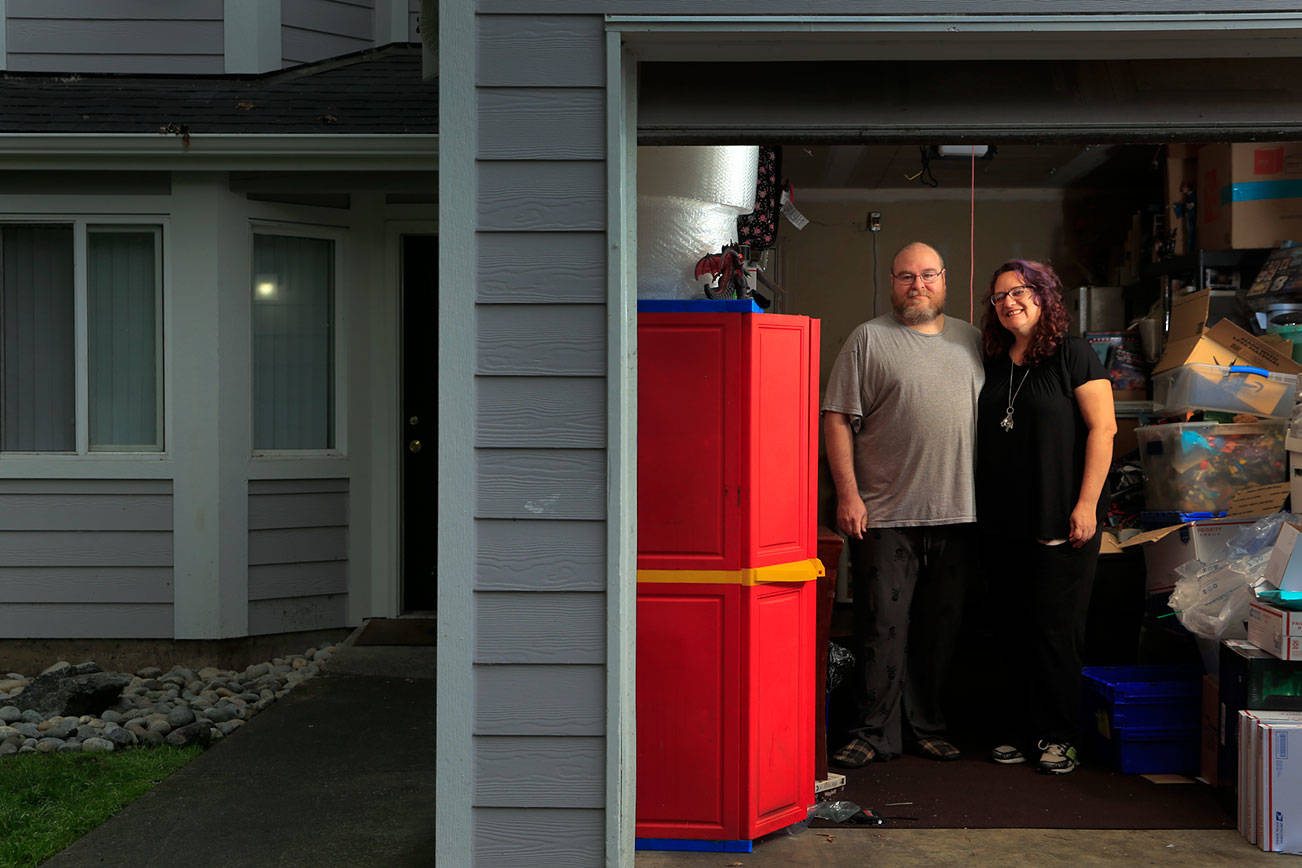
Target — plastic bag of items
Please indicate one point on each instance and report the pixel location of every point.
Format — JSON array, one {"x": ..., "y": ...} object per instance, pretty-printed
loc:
[
  {"x": 840, "y": 663},
  {"x": 1212, "y": 600}
]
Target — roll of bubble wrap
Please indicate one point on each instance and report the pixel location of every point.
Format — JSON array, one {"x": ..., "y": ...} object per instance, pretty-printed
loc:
[
  {"x": 672, "y": 234},
  {"x": 724, "y": 174}
]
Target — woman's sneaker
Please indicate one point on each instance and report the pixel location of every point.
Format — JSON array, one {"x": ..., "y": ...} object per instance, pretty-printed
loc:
[
  {"x": 1006, "y": 754},
  {"x": 1057, "y": 759}
]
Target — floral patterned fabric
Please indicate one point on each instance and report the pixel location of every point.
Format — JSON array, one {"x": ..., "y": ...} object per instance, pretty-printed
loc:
[{"x": 759, "y": 228}]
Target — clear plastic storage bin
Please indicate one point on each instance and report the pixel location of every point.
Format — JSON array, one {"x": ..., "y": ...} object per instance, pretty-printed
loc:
[
  {"x": 1236, "y": 389},
  {"x": 1198, "y": 466}
]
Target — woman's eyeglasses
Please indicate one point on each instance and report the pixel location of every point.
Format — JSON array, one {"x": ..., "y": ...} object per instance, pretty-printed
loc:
[{"x": 1017, "y": 293}]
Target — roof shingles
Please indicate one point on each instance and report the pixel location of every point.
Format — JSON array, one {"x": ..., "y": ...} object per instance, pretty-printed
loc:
[{"x": 376, "y": 91}]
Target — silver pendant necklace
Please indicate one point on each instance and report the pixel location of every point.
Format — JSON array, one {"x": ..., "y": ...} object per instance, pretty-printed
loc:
[{"x": 1007, "y": 423}]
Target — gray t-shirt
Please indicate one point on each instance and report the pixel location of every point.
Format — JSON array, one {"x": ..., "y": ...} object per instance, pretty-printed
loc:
[{"x": 912, "y": 401}]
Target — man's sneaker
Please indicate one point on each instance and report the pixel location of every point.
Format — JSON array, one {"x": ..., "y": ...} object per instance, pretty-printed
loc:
[
  {"x": 1006, "y": 754},
  {"x": 1057, "y": 759}
]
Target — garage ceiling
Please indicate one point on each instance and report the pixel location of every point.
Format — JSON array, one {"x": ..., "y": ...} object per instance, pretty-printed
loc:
[{"x": 1034, "y": 165}]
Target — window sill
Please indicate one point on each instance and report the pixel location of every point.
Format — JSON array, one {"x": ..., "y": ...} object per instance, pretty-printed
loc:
[{"x": 101, "y": 465}]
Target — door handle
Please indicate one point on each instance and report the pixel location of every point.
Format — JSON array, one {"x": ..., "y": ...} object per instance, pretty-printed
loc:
[{"x": 413, "y": 446}]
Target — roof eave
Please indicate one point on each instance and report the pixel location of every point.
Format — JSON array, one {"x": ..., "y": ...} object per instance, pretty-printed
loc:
[{"x": 389, "y": 152}]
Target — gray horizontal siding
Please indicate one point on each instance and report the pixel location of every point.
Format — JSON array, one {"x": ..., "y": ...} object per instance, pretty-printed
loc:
[
  {"x": 311, "y": 509},
  {"x": 509, "y": 838},
  {"x": 86, "y": 621},
  {"x": 542, "y": 195},
  {"x": 307, "y": 579},
  {"x": 86, "y": 558},
  {"x": 540, "y": 700},
  {"x": 298, "y": 554},
  {"x": 296, "y": 614},
  {"x": 95, "y": 584},
  {"x": 534, "y": 340},
  {"x": 532, "y": 51},
  {"x": 316, "y": 29},
  {"x": 66, "y": 44},
  {"x": 85, "y": 512},
  {"x": 541, "y": 411},
  {"x": 547, "y": 267},
  {"x": 560, "y": 772},
  {"x": 121, "y": 10},
  {"x": 542, "y": 124},
  {"x": 541, "y": 484},
  {"x": 293, "y": 545},
  {"x": 540, "y": 555},
  {"x": 85, "y": 548},
  {"x": 540, "y": 628},
  {"x": 539, "y": 648}
]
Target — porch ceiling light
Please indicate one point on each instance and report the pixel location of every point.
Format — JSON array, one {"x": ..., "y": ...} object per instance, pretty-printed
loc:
[{"x": 265, "y": 287}]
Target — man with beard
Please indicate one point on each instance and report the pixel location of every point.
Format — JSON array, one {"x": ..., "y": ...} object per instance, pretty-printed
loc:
[{"x": 899, "y": 418}]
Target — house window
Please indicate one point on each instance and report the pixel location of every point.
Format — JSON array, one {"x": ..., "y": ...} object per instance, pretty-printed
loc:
[
  {"x": 124, "y": 338},
  {"x": 293, "y": 343},
  {"x": 39, "y": 354},
  {"x": 46, "y": 356}
]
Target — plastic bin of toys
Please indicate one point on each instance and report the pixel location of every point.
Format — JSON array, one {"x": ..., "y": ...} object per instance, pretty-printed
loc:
[{"x": 1198, "y": 466}]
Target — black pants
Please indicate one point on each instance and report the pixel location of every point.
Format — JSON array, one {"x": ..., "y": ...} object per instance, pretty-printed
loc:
[
  {"x": 908, "y": 600},
  {"x": 1039, "y": 597}
]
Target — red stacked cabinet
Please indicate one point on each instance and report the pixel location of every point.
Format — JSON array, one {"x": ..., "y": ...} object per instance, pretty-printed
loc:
[{"x": 727, "y": 567}]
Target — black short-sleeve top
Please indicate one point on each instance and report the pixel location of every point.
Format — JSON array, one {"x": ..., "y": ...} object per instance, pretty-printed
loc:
[{"x": 1028, "y": 478}]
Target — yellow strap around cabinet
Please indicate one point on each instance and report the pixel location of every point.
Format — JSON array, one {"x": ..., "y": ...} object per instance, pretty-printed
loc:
[{"x": 794, "y": 571}]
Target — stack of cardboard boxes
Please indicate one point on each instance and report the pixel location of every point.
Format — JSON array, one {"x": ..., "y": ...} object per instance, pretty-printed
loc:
[{"x": 1220, "y": 461}]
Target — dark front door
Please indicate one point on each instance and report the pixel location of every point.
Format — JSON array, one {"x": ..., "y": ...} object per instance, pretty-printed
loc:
[{"x": 420, "y": 377}]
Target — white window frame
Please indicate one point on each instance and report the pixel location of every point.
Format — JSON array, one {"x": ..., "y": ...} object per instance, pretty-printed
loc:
[
  {"x": 83, "y": 462},
  {"x": 339, "y": 348}
]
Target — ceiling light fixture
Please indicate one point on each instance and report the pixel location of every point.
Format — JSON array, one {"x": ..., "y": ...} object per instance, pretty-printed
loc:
[{"x": 961, "y": 152}]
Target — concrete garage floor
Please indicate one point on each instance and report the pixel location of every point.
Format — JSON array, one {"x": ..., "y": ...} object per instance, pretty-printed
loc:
[{"x": 1007, "y": 848}]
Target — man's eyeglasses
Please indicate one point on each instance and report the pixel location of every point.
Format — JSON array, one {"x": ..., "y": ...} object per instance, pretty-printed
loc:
[
  {"x": 1017, "y": 293},
  {"x": 907, "y": 277}
]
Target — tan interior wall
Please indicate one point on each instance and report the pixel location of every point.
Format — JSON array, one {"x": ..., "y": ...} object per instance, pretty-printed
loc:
[{"x": 827, "y": 268}]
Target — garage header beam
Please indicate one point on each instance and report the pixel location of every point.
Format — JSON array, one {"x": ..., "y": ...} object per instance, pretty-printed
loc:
[
  {"x": 961, "y": 101},
  {"x": 962, "y": 37}
]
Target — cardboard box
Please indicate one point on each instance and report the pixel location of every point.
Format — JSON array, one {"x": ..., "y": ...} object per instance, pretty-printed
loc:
[
  {"x": 1253, "y": 802},
  {"x": 1191, "y": 340},
  {"x": 1168, "y": 547},
  {"x": 1276, "y": 630},
  {"x": 1279, "y": 786},
  {"x": 1294, "y": 477},
  {"x": 1248, "y": 195},
  {"x": 1181, "y": 183}
]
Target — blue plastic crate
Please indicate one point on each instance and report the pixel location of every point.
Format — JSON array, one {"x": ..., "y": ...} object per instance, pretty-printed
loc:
[
  {"x": 1144, "y": 697},
  {"x": 1138, "y": 751}
]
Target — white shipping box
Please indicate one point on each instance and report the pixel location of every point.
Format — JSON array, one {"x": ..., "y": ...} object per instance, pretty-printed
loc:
[
  {"x": 1168, "y": 547},
  {"x": 1284, "y": 569},
  {"x": 1276, "y": 630},
  {"x": 1279, "y": 787},
  {"x": 1251, "y": 816}
]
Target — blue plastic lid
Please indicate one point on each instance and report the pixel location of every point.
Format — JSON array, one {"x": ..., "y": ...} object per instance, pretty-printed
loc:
[{"x": 697, "y": 305}]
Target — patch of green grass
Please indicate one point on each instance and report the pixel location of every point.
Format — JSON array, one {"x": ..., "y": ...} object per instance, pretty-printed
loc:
[{"x": 47, "y": 801}]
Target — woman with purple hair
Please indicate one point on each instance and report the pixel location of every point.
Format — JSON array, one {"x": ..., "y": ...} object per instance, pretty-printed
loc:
[{"x": 1045, "y": 425}]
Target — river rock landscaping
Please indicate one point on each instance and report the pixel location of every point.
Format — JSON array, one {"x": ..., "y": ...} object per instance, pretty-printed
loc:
[{"x": 80, "y": 707}]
